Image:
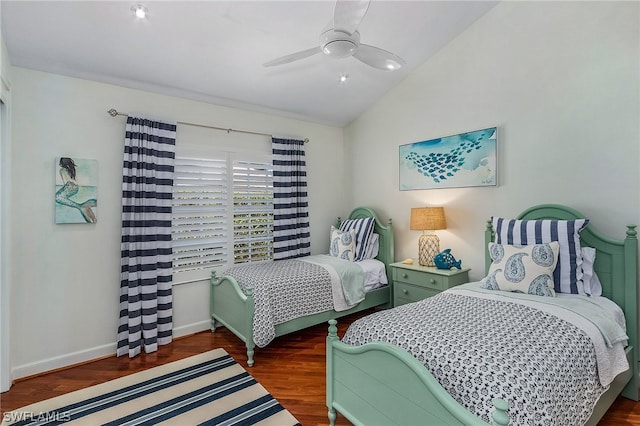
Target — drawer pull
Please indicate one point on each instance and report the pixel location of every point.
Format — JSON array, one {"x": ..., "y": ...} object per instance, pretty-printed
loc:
[
  {"x": 405, "y": 291},
  {"x": 405, "y": 275},
  {"x": 432, "y": 281}
]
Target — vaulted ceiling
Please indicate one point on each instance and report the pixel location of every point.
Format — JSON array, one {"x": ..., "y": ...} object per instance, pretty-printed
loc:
[{"x": 214, "y": 51}]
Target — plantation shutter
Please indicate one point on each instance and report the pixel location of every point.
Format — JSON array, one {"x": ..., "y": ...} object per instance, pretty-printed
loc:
[
  {"x": 199, "y": 226},
  {"x": 222, "y": 212},
  {"x": 252, "y": 211}
]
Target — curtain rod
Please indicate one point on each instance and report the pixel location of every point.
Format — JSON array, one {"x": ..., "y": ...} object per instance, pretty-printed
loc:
[{"x": 113, "y": 112}]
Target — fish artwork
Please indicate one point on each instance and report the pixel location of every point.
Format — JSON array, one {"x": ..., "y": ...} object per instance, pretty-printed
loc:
[{"x": 445, "y": 260}]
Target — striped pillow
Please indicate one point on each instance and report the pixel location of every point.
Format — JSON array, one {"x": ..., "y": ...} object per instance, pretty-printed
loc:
[
  {"x": 373, "y": 247},
  {"x": 363, "y": 228},
  {"x": 567, "y": 276}
]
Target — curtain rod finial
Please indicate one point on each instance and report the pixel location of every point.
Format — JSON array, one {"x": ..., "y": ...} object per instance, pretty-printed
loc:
[{"x": 112, "y": 112}]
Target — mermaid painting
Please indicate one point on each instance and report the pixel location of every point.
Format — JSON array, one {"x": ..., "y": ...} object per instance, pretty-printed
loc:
[{"x": 70, "y": 189}]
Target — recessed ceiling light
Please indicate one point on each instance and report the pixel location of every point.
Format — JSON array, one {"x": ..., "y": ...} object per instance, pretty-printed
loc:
[
  {"x": 344, "y": 77},
  {"x": 140, "y": 11}
]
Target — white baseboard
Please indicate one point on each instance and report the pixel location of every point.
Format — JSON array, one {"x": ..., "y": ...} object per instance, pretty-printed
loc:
[
  {"x": 63, "y": 361},
  {"x": 193, "y": 328},
  {"x": 91, "y": 354}
]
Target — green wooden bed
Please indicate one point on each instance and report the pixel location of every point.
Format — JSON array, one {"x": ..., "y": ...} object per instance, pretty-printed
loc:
[
  {"x": 235, "y": 310},
  {"x": 379, "y": 383}
]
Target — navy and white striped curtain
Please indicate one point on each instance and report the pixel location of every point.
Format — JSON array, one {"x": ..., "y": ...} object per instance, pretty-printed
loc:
[
  {"x": 146, "y": 319},
  {"x": 290, "y": 201}
]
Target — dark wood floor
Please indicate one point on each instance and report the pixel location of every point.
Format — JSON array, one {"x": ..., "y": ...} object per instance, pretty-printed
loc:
[{"x": 291, "y": 368}]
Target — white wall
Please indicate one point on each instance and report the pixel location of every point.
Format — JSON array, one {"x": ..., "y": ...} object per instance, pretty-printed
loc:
[
  {"x": 559, "y": 79},
  {"x": 65, "y": 285},
  {"x": 5, "y": 218}
]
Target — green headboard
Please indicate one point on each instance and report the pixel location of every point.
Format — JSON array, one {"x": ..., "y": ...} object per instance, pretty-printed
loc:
[
  {"x": 385, "y": 252},
  {"x": 616, "y": 266}
]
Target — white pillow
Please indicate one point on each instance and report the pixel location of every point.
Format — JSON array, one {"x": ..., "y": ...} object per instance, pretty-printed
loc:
[
  {"x": 592, "y": 285},
  {"x": 343, "y": 244},
  {"x": 523, "y": 269}
]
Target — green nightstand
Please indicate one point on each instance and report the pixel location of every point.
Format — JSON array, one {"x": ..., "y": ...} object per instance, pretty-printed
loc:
[{"x": 414, "y": 282}]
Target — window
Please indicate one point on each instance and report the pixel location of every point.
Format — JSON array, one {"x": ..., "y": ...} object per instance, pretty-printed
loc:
[
  {"x": 252, "y": 212},
  {"x": 199, "y": 224},
  {"x": 222, "y": 212}
]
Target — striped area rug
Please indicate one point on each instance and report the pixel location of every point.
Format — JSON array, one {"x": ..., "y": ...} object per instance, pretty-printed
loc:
[{"x": 206, "y": 389}]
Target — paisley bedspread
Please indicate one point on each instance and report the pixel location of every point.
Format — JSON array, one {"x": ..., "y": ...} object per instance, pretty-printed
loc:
[
  {"x": 287, "y": 289},
  {"x": 486, "y": 347}
]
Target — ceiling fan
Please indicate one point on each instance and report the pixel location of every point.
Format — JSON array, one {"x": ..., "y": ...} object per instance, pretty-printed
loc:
[{"x": 341, "y": 39}]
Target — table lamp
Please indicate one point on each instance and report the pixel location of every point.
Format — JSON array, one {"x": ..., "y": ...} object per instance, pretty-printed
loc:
[{"x": 427, "y": 219}]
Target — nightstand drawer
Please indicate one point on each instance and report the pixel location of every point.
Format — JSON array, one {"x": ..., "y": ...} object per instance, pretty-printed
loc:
[
  {"x": 410, "y": 293},
  {"x": 436, "y": 282},
  {"x": 413, "y": 282}
]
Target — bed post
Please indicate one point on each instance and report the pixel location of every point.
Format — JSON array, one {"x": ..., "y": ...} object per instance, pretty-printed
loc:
[
  {"x": 332, "y": 337},
  {"x": 489, "y": 235},
  {"x": 501, "y": 414},
  {"x": 213, "y": 280},
  {"x": 250, "y": 312},
  {"x": 631, "y": 391}
]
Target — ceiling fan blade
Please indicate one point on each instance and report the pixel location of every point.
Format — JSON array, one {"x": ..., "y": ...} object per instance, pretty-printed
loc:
[
  {"x": 293, "y": 57},
  {"x": 348, "y": 14},
  {"x": 378, "y": 58}
]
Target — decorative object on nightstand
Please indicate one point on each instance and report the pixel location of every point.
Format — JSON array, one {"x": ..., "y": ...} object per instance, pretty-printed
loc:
[
  {"x": 445, "y": 260},
  {"x": 427, "y": 219},
  {"x": 412, "y": 283}
]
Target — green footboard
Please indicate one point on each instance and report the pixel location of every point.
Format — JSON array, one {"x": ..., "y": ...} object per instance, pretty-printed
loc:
[
  {"x": 232, "y": 308},
  {"x": 381, "y": 384}
]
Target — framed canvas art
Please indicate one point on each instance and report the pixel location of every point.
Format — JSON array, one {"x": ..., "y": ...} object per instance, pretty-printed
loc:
[
  {"x": 76, "y": 199},
  {"x": 466, "y": 159}
]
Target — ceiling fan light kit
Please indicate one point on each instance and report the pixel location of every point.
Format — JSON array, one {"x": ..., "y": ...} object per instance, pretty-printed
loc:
[
  {"x": 338, "y": 44},
  {"x": 343, "y": 40},
  {"x": 140, "y": 11}
]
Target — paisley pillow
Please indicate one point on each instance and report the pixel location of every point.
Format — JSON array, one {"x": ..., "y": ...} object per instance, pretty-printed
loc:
[
  {"x": 568, "y": 273},
  {"x": 523, "y": 269},
  {"x": 343, "y": 244}
]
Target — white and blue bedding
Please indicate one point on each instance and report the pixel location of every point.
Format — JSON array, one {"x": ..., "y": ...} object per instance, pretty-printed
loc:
[
  {"x": 347, "y": 280},
  {"x": 288, "y": 289},
  {"x": 550, "y": 360}
]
